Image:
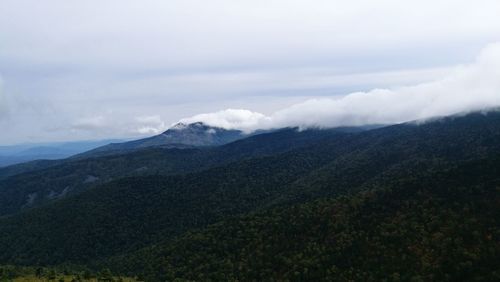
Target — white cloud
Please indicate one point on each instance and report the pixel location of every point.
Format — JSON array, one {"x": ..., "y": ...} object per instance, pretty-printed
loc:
[
  {"x": 149, "y": 125},
  {"x": 230, "y": 119},
  {"x": 470, "y": 87}
]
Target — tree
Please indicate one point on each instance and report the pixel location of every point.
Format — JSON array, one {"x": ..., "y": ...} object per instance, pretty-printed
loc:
[
  {"x": 105, "y": 276},
  {"x": 52, "y": 275},
  {"x": 39, "y": 272}
]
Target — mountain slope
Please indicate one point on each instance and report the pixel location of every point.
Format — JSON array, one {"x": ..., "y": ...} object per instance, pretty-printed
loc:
[
  {"x": 26, "y": 167},
  {"x": 440, "y": 223},
  {"x": 58, "y": 179},
  {"x": 179, "y": 136},
  {"x": 131, "y": 213},
  {"x": 476, "y": 135}
]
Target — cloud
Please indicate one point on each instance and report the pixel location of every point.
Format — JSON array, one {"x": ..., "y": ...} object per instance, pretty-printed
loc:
[
  {"x": 121, "y": 59},
  {"x": 230, "y": 119},
  {"x": 466, "y": 88},
  {"x": 90, "y": 123},
  {"x": 149, "y": 125},
  {"x": 3, "y": 101},
  {"x": 178, "y": 33},
  {"x": 126, "y": 125}
]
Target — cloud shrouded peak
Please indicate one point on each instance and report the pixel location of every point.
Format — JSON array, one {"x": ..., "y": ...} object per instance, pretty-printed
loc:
[
  {"x": 230, "y": 119},
  {"x": 465, "y": 88}
]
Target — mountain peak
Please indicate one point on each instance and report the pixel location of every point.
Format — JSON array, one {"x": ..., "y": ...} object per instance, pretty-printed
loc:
[
  {"x": 191, "y": 126},
  {"x": 180, "y": 135},
  {"x": 178, "y": 126},
  {"x": 198, "y": 134}
]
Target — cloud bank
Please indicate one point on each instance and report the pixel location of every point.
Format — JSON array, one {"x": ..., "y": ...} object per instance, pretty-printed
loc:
[{"x": 466, "y": 88}]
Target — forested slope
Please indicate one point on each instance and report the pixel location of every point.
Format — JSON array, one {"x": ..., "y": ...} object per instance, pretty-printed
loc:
[
  {"x": 439, "y": 224},
  {"x": 288, "y": 191},
  {"x": 29, "y": 185}
]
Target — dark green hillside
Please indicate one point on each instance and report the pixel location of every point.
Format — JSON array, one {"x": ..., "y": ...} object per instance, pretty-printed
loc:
[
  {"x": 452, "y": 138},
  {"x": 62, "y": 178},
  {"x": 8, "y": 171},
  {"x": 441, "y": 223},
  {"x": 133, "y": 212}
]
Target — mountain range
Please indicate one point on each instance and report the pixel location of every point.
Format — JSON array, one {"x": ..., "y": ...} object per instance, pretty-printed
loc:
[{"x": 416, "y": 201}]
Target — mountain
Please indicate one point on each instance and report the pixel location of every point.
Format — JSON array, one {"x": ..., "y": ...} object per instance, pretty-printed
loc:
[
  {"x": 128, "y": 147},
  {"x": 36, "y": 183},
  {"x": 20, "y": 159},
  {"x": 179, "y": 136},
  {"x": 353, "y": 174},
  {"x": 10, "y": 155}
]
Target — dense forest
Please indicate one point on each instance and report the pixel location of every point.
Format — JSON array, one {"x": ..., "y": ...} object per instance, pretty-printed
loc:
[
  {"x": 439, "y": 225},
  {"x": 408, "y": 202}
]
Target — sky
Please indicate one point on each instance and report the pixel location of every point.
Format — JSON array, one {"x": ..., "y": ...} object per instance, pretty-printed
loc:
[{"x": 87, "y": 69}]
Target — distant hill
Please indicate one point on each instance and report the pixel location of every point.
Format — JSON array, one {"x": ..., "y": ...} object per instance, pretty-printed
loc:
[{"x": 10, "y": 155}]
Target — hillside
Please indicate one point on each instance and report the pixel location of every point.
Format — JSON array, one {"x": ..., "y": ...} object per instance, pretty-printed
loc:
[
  {"x": 180, "y": 136},
  {"x": 125, "y": 215},
  {"x": 33, "y": 184},
  {"x": 437, "y": 224}
]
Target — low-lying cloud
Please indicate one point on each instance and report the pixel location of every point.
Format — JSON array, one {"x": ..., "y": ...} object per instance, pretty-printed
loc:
[
  {"x": 140, "y": 125},
  {"x": 465, "y": 88}
]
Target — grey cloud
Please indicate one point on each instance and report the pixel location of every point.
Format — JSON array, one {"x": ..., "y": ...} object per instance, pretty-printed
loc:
[
  {"x": 90, "y": 69},
  {"x": 124, "y": 125},
  {"x": 189, "y": 34},
  {"x": 466, "y": 88}
]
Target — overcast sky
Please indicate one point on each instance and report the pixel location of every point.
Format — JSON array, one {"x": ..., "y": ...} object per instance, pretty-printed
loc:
[{"x": 74, "y": 70}]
